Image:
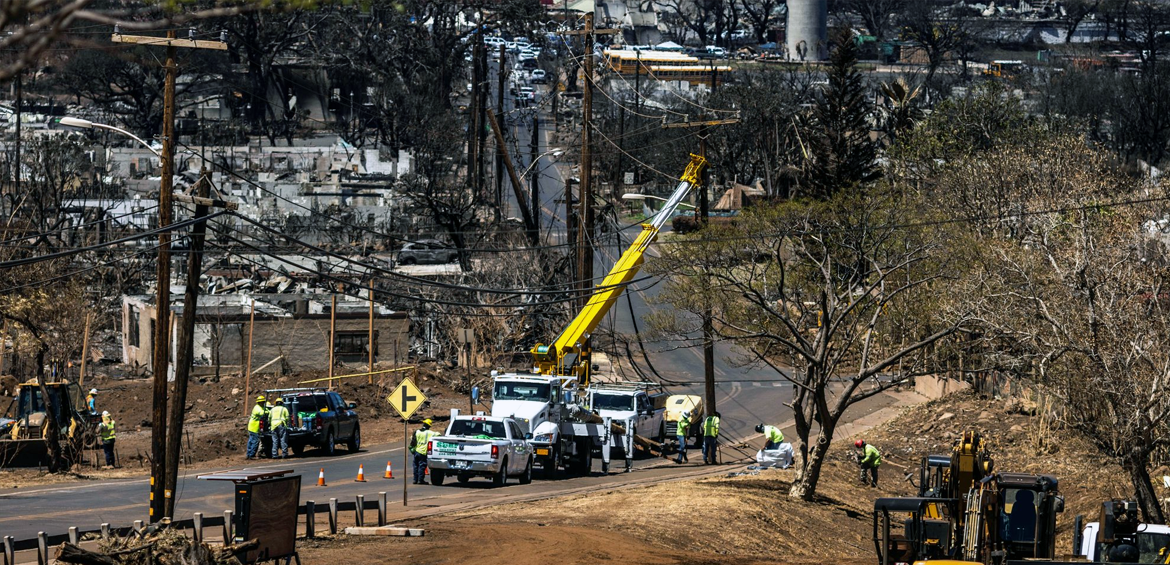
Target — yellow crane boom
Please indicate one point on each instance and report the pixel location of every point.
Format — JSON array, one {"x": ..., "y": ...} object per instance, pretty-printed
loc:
[{"x": 574, "y": 340}]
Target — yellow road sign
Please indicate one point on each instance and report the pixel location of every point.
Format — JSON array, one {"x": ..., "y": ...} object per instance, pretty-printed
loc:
[{"x": 406, "y": 398}]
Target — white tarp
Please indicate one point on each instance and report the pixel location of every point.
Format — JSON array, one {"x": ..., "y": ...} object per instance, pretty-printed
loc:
[{"x": 780, "y": 457}]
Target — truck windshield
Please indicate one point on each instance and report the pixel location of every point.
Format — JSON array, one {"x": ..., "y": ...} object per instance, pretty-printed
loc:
[
  {"x": 604, "y": 401},
  {"x": 483, "y": 429},
  {"x": 521, "y": 391}
]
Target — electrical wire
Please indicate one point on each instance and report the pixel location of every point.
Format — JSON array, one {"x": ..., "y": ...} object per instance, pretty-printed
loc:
[
  {"x": 79, "y": 271},
  {"x": 71, "y": 227},
  {"x": 420, "y": 280},
  {"x": 422, "y": 299},
  {"x": 51, "y": 256}
]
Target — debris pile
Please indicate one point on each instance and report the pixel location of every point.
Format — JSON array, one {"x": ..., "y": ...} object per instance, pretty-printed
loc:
[{"x": 154, "y": 546}]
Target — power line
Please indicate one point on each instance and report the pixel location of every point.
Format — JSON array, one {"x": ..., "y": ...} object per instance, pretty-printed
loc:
[
  {"x": 71, "y": 227},
  {"x": 420, "y": 280},
  {"x": 48, "y": 257},
  {"x": 80, "y": 271}
]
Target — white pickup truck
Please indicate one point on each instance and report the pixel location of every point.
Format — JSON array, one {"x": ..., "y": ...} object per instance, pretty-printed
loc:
[
  {"x": 483, "y": 446},
  {"x": 638, "y": 405}
]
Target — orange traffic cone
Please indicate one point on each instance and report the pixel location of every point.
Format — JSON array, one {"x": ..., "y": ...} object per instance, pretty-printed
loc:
[
  {"x": 321, "y": 478},
  {"x": 361, "y": 478},
  {"x": 389, "y": 471},
  {"x": 426, "y": 470}
]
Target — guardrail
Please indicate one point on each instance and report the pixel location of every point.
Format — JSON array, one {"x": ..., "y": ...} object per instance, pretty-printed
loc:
[{"x": 197, "y": 524}]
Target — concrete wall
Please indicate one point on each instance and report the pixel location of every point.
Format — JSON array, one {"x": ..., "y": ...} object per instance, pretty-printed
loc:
[
  {"x": 304, "y": 342},
  {"x": 807, "y": 30},
  {"x": 136, "y": 355},
  {"x": 934, "y": 387}
]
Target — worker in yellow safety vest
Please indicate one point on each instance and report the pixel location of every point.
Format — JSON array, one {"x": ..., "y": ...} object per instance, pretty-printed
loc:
[
  {"x": 256, "y": 420},
  {"x": 773, "y": 437},
  {"x": 710, "y": 438},
  {"x": 107, "y": 435},
  {"x": 684, "y": 423},
  {"x": 870, "y": 460},
  {"x": 91, "y": 401},
  {"x": 278, "y": 419},
  {"x": 418, "y": 445}
]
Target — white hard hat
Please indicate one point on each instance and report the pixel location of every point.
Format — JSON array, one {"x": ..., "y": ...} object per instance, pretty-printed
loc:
[
  {"x": 105, "y": 413},
  {"x": 93, "y": 391},
  {"x": 686, "y": 413}
]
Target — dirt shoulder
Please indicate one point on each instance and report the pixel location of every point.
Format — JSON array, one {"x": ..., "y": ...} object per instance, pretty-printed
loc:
[{"x": 748, "y": 518}]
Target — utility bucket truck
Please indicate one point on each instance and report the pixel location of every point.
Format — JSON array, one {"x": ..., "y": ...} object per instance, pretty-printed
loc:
[{"x": 550, "y": 402}]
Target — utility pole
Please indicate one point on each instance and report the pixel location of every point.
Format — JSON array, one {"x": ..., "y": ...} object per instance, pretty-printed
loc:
[
  {"x": 158, "y": 429},
  {"x": 534, "y": 179},
  {"x": 476, "y": 124},
  {"x": 501, "y": 74},
  {"x": 19, "y": 118},
  {"x": 530, "y": 225},
  {"x": 186, "y": 346},
  {"x": 161, "y": 338},
  {"x": 586, "y": 215},
  {"x": 370, "y": 343},
  {"x": 585, "y": 230},
  {"x": 704, "y": 212},
  {"x": 481, "y": 117}
]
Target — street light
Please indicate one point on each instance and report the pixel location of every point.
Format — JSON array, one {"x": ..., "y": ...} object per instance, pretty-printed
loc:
[
  {"x": 636, "y": 196},
  {"x": 86, "y": 124},
  {"x": 550, "y": 153}
]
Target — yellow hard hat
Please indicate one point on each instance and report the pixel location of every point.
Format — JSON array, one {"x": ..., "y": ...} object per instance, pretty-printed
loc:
[
  {"x": 260, "y": 398},
  {"x": 427, "y": 421}
]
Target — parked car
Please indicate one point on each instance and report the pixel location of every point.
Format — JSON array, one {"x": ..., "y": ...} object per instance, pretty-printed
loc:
[
  {"x": 320, "y": 418},
  {"x": 427, "y": 251},
  {"x": 483, "y": 446},
  {"x": 539, "y": 76}
]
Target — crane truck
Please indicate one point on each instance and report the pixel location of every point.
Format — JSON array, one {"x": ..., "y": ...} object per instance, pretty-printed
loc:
[{"x": 549, "y": 402}]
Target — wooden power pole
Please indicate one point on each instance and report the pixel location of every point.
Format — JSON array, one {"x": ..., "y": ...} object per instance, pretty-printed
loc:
[
  {"x": 704, "y": 212},
  {"x": 585, "y": 216},
  {"x": 161, "y": 338}
]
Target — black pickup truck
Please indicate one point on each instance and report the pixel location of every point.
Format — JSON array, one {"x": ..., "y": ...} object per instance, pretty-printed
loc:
[{"x": 320, "y": 418}]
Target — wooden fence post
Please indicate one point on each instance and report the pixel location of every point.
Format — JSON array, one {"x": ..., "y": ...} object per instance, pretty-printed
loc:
[
  {"x": 310, "y": 519},
  {"x": 197, "y": 526},
  {"x": 227, "y": 527}
]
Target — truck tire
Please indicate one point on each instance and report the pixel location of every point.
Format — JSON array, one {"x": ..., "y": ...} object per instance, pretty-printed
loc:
[
  {"x": 552, "y": 465},
  {"x": 501, "y": 478},
  {"x": 330, "y": 444},
  {"x": 526, "y": 478},
  {"x": 583, "y": 462},
  {"x": 355, "y": 441},
  {"x": 437, "y": 476}
]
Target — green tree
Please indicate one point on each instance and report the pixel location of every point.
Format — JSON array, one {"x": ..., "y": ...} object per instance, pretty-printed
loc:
[{"x": 839, "y": 154}]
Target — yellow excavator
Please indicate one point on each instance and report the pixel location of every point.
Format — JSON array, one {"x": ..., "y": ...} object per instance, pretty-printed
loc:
[
  {"x": 968, "y": 513},
  {"x": 24, "y": 426}
]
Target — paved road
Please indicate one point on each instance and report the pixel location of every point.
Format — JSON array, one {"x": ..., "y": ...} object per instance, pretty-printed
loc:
[{"x": 52, "y": 509}]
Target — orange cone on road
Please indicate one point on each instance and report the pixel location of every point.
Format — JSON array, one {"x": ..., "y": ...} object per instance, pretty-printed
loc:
[
  {"x": 427, "y": 470},
  {"x": 321, "y": 478},
  {"x": 361, "y": 478},
  {"x": 389, "y": 471}
]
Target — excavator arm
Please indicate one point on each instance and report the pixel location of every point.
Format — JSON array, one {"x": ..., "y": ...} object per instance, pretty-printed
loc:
[{"x": 551, "y": 359}]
